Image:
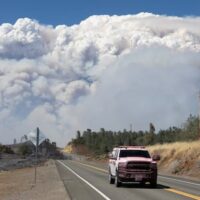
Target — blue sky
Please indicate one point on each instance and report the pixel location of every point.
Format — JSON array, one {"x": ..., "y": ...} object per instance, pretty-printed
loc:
[{"x": 73, "y": 11}]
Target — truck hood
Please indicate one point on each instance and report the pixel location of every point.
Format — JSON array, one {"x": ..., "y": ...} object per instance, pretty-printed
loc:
[{"x": 135, "y": 159}]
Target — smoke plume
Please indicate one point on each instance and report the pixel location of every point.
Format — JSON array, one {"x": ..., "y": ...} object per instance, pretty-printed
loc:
[{"x": 107, "y": 71}]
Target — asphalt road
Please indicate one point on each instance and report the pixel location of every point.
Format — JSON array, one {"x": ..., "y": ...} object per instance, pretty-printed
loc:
[{"x": 84, "y": 181}]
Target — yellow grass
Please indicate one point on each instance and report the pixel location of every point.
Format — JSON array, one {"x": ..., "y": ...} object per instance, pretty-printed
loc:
[
  {"x": 181, "y": 158},
  {"x": 178, "y": 148},
  {"x": 68, "y": 149}
]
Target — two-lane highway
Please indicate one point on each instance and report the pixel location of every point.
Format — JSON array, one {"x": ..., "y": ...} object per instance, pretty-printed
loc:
[{"x": 85, "y": 181}]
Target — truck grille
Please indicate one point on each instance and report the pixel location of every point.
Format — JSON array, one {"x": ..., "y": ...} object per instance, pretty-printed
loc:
[{"x": 138, "y": 165}]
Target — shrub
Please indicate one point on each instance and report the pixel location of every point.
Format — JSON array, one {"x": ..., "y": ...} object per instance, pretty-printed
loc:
[{"x": 24, "y": 150}]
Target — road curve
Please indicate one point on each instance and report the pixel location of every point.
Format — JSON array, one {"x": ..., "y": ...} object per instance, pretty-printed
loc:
[{"x": 85, "y": 181}]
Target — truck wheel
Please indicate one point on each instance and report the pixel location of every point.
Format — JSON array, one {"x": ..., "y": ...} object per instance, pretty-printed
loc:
[
  {"x": 111, "y": 179},
  {"x": 117, "y": 182},
  {"x": 142, "y": 183},
  {"x": 153, "y": 183}
]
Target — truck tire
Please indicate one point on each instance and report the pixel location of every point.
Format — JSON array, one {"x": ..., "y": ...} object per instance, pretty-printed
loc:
[
  {"x": 111, "y": 178},
  {"x": 153, "y": 183},
  {"x": 142, "y": 183},
  {"x": 117, "y": 182}
]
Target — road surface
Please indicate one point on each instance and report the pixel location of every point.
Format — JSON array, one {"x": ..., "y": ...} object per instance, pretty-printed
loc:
[{"x": 84, "y": 181}]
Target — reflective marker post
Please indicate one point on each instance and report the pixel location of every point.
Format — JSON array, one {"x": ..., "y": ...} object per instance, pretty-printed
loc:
[{"x": 36, "y": 152}]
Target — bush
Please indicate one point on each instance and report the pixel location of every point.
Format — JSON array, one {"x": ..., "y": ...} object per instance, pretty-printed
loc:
[
  {"x": 24, "y": 150},
  {"x": 6, "y": 149}
]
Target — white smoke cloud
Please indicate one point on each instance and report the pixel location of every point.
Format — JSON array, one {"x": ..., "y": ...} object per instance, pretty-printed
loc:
[
  {"x": 108, "y": 71},
  {"x": 25, "y": 39}
]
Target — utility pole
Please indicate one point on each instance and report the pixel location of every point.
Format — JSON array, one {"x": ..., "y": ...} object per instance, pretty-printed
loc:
[{"x": 131, "y": 128}]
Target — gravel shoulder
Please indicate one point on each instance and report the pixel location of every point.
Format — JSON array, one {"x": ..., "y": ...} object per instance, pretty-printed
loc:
[{"x": 18, "y": 184}]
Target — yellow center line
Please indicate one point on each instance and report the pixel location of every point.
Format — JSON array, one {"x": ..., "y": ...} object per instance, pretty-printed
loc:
[
  {"x": 183, "y": 194},
  {"x": 91, "y": 166},
  {"x": 169, "y": 189}
]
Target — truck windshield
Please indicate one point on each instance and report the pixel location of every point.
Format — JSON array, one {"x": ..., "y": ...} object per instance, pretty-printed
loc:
[{"x": 134, "y": 153}]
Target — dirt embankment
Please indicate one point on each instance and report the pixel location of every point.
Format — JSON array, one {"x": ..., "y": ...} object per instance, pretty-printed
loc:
[{"x": 180, "y": 158}]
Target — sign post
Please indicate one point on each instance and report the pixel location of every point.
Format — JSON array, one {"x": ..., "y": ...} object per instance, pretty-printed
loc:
[
  {"x": 36, "y": 152},
  {"x": 36, "y": 137}
]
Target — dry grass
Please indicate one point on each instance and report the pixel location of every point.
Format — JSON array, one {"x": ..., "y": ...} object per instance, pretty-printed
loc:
[
  {"x": 68, "y": 149},
  {"x": 77, "y": 149},
  {"x": 181, "y": 158}
]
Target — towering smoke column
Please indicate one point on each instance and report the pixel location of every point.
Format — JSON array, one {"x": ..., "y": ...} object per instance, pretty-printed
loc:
[{"x": 108, "y": 71}]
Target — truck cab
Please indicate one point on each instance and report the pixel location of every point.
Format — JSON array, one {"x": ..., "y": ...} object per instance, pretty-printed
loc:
[{"x": 132, "y": 164}]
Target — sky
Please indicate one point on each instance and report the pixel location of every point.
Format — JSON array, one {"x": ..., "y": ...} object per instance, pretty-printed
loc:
[
  {"x": 70, "y": 66},
  {"x": 70, "y": 12}
]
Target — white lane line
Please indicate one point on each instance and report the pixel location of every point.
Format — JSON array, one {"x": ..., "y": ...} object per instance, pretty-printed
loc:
[
  {"x": 85, "y": 181},
  {"x": 197, "y": 184}
]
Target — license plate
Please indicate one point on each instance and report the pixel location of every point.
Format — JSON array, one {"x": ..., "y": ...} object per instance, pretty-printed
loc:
[{"x": 138, "y": 177}]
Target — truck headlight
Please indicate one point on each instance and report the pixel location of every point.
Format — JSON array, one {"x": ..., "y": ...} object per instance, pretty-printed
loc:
[
  {"x": 153, "y": 166},
  {"x": 122, "y": 165}
]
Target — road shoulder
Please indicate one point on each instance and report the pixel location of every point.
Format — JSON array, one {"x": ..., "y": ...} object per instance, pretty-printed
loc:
[{"x": 19, "y": 184}]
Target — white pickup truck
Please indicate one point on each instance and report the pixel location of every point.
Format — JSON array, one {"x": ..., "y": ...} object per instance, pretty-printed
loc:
[{"x": 132, "y": 164}]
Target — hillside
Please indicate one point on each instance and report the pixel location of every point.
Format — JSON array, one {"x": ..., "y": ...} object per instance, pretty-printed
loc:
[{"x": 180, "y": 158}]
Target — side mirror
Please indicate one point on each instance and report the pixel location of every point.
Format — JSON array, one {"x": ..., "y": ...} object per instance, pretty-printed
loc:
[
  {"x": 156, "y": 157},
  {"x": 110, "y": 156}
]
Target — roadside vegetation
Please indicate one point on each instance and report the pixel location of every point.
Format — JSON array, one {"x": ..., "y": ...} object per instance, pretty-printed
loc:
[
  {"x": 179, "y": 147},
  {"x": 24, "y": 150},
  {"x": 179, "y": 158},
  {"x": 6, "y": 149},
  {"x": 103, "y": 141},
  {"x": 21, "y": 155}
]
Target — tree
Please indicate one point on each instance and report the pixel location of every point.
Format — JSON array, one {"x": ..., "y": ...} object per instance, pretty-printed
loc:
[
  {"x": 103, "y": 141},
  {"x": 191, "y": 128},
  {"x": 24, "y": 149},
  {"x": 150, "y": 136},
  {"x": 151, "y": 128},
  {"x": 78, "y": 135},
  {"x": 24, "y": 138}
]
